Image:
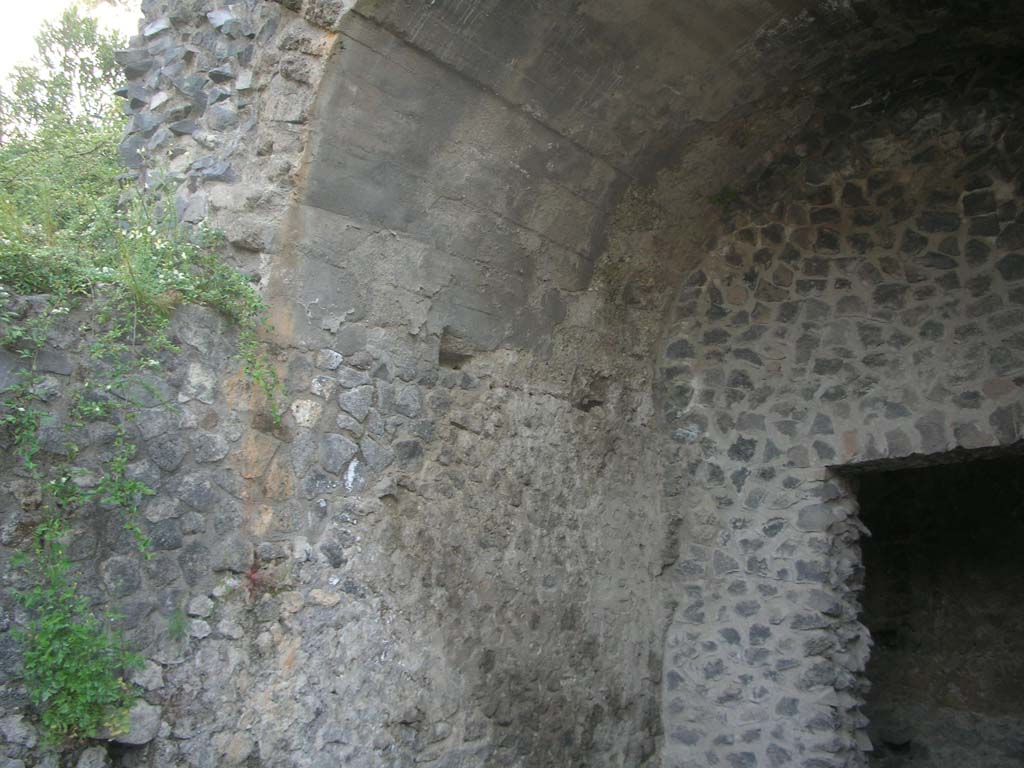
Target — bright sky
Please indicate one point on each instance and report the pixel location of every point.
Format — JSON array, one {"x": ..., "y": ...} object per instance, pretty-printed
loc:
[{"x": 22, "y": 19}]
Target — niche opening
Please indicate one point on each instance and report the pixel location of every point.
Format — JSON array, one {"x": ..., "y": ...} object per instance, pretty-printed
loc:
[{"x": 944, "y": 601}]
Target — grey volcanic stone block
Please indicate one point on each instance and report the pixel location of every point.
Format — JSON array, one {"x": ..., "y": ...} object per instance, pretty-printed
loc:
[
  {"x": 336, "y": 451},
  {"x": 143, "y": 725}
]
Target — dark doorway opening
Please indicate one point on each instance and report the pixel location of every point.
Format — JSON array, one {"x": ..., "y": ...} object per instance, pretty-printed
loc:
[{"x": 944, "y": 601}]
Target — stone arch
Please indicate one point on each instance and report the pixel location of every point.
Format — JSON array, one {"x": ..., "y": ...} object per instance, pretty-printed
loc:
[{"x": 863, "y": 303}]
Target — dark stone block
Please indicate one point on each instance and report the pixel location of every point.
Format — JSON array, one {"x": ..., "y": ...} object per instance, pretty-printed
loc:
[
  {"x": 978, "y": 181},
  {"x": 816, "y": 172},
  {"x": 891, "y": 197},
  {"x": 773, "y": 233},
  {"x": 788, "y": 312},
  {"x": 853, "y": 195},
  {"x": 984, "y": 306},
  {"x": 869, "y": 274},
  {"x": 828, "y": 241},
  {"x": 870, "y": 335},
  {"x": 770, "y": 293},
  {"x": 935, "y": 260},
  {"x": 771, "y": 451},
  {"x": 221, "y": 74},
  {"x": 1007, "y": 422},
  {"x": 877, "y": 360},
  {"x": 742, "y": 760},
  {"x": 748, "y": 608},
  {"x": 824, "y": 366},
  {"x": 890, "y": 295},
  {"x": 922, "y": 292},
  {"x": 912, "y": 242},
  {"x": 724, "y": 564},
  {"x": 932, "y": 330},
  {"x": 697, "y": 279},
  {"x": 815, "y": 267},
  {"x": 970, "y": 400},
  {"x": 743, "y": 449},
  {"x": 790, "y": 254},
  {"x": 183, "y": 127},
  {"x": 827, "y": 215},
  {"x": 943, "y": 197},
  {"x": 748, "y": 355},
  {"x": 938, "y": 221},
  {"x": 811, "y": 570},
  {"x": 977, "y": 252},
  {"x": 984, "y": 226},
  {"x": 950, "y": 246},
  {"x": 824, "y": 451},
  {"x": 820, "y": 196},
  {"x": 978, "y": 203},
  {"x": 195, "y": 563},
  {"x": 134, "y": 62},
  {"x": 763, "y": 257},
  {"x": 165, "y": 535},
  {"x": 777, "y": 757},
  {"x": 715, "y": 337},
  {"x": 866, "y": 217},
  {"x": 1012, "y": 238},
  {"x": 976, "y": 140},
  {"x": 1010, "y": 319},
  {"x": 680, "y": 349},
  {"x": 822, "y": 425},
  {"x": 729, "y": 635},
  {"x": 168, "y": 452},
  {"x": 145, "y": 122},
  {"x": 860, "y": 242},
  {"x": 878, "y": 181},
  {"x": 739, "y": 380},
  {"x": 805, "y": 287},
  {"x": 1011, "y": 267},
  {"x": 932, "y": 429}
]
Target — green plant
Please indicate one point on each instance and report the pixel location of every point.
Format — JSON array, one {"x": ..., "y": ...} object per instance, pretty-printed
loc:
[
  {"x": 22, "y": 420},
  {"x": 73, "y": 663},
  {"x": 68, "y": 229},
  {"x": 177, "y": 625}
]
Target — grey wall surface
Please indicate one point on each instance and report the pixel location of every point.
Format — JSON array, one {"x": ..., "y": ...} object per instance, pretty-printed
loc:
[{"x": 575, "y": 313}]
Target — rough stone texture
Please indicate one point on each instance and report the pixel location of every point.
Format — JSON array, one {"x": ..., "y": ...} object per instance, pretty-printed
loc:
[
  {"x": 553, "y": 485},
  {"x": 820, "y": 341}
]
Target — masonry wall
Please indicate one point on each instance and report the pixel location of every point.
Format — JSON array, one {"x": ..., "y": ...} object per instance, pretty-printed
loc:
[
  {"x": 551, "y": 487},
  {"x": 863, "y": 304}
]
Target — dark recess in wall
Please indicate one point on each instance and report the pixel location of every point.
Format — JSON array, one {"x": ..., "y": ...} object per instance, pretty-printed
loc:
[{"x": 944, "y": 581}]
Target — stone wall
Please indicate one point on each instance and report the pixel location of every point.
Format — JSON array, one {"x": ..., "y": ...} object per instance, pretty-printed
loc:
[
  {"x": 435, "y": 557},
  {"x": 863, "y": 303},
  {"x": 518, "y": 513}
]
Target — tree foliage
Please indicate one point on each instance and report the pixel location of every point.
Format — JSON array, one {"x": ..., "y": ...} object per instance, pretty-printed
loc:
[
  {"x": 58, "y": 158},
  {"x": 70, "y": 82}
]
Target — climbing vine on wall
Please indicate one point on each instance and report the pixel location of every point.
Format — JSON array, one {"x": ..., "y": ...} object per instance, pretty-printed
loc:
[{"x": 78, "y": 244}]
